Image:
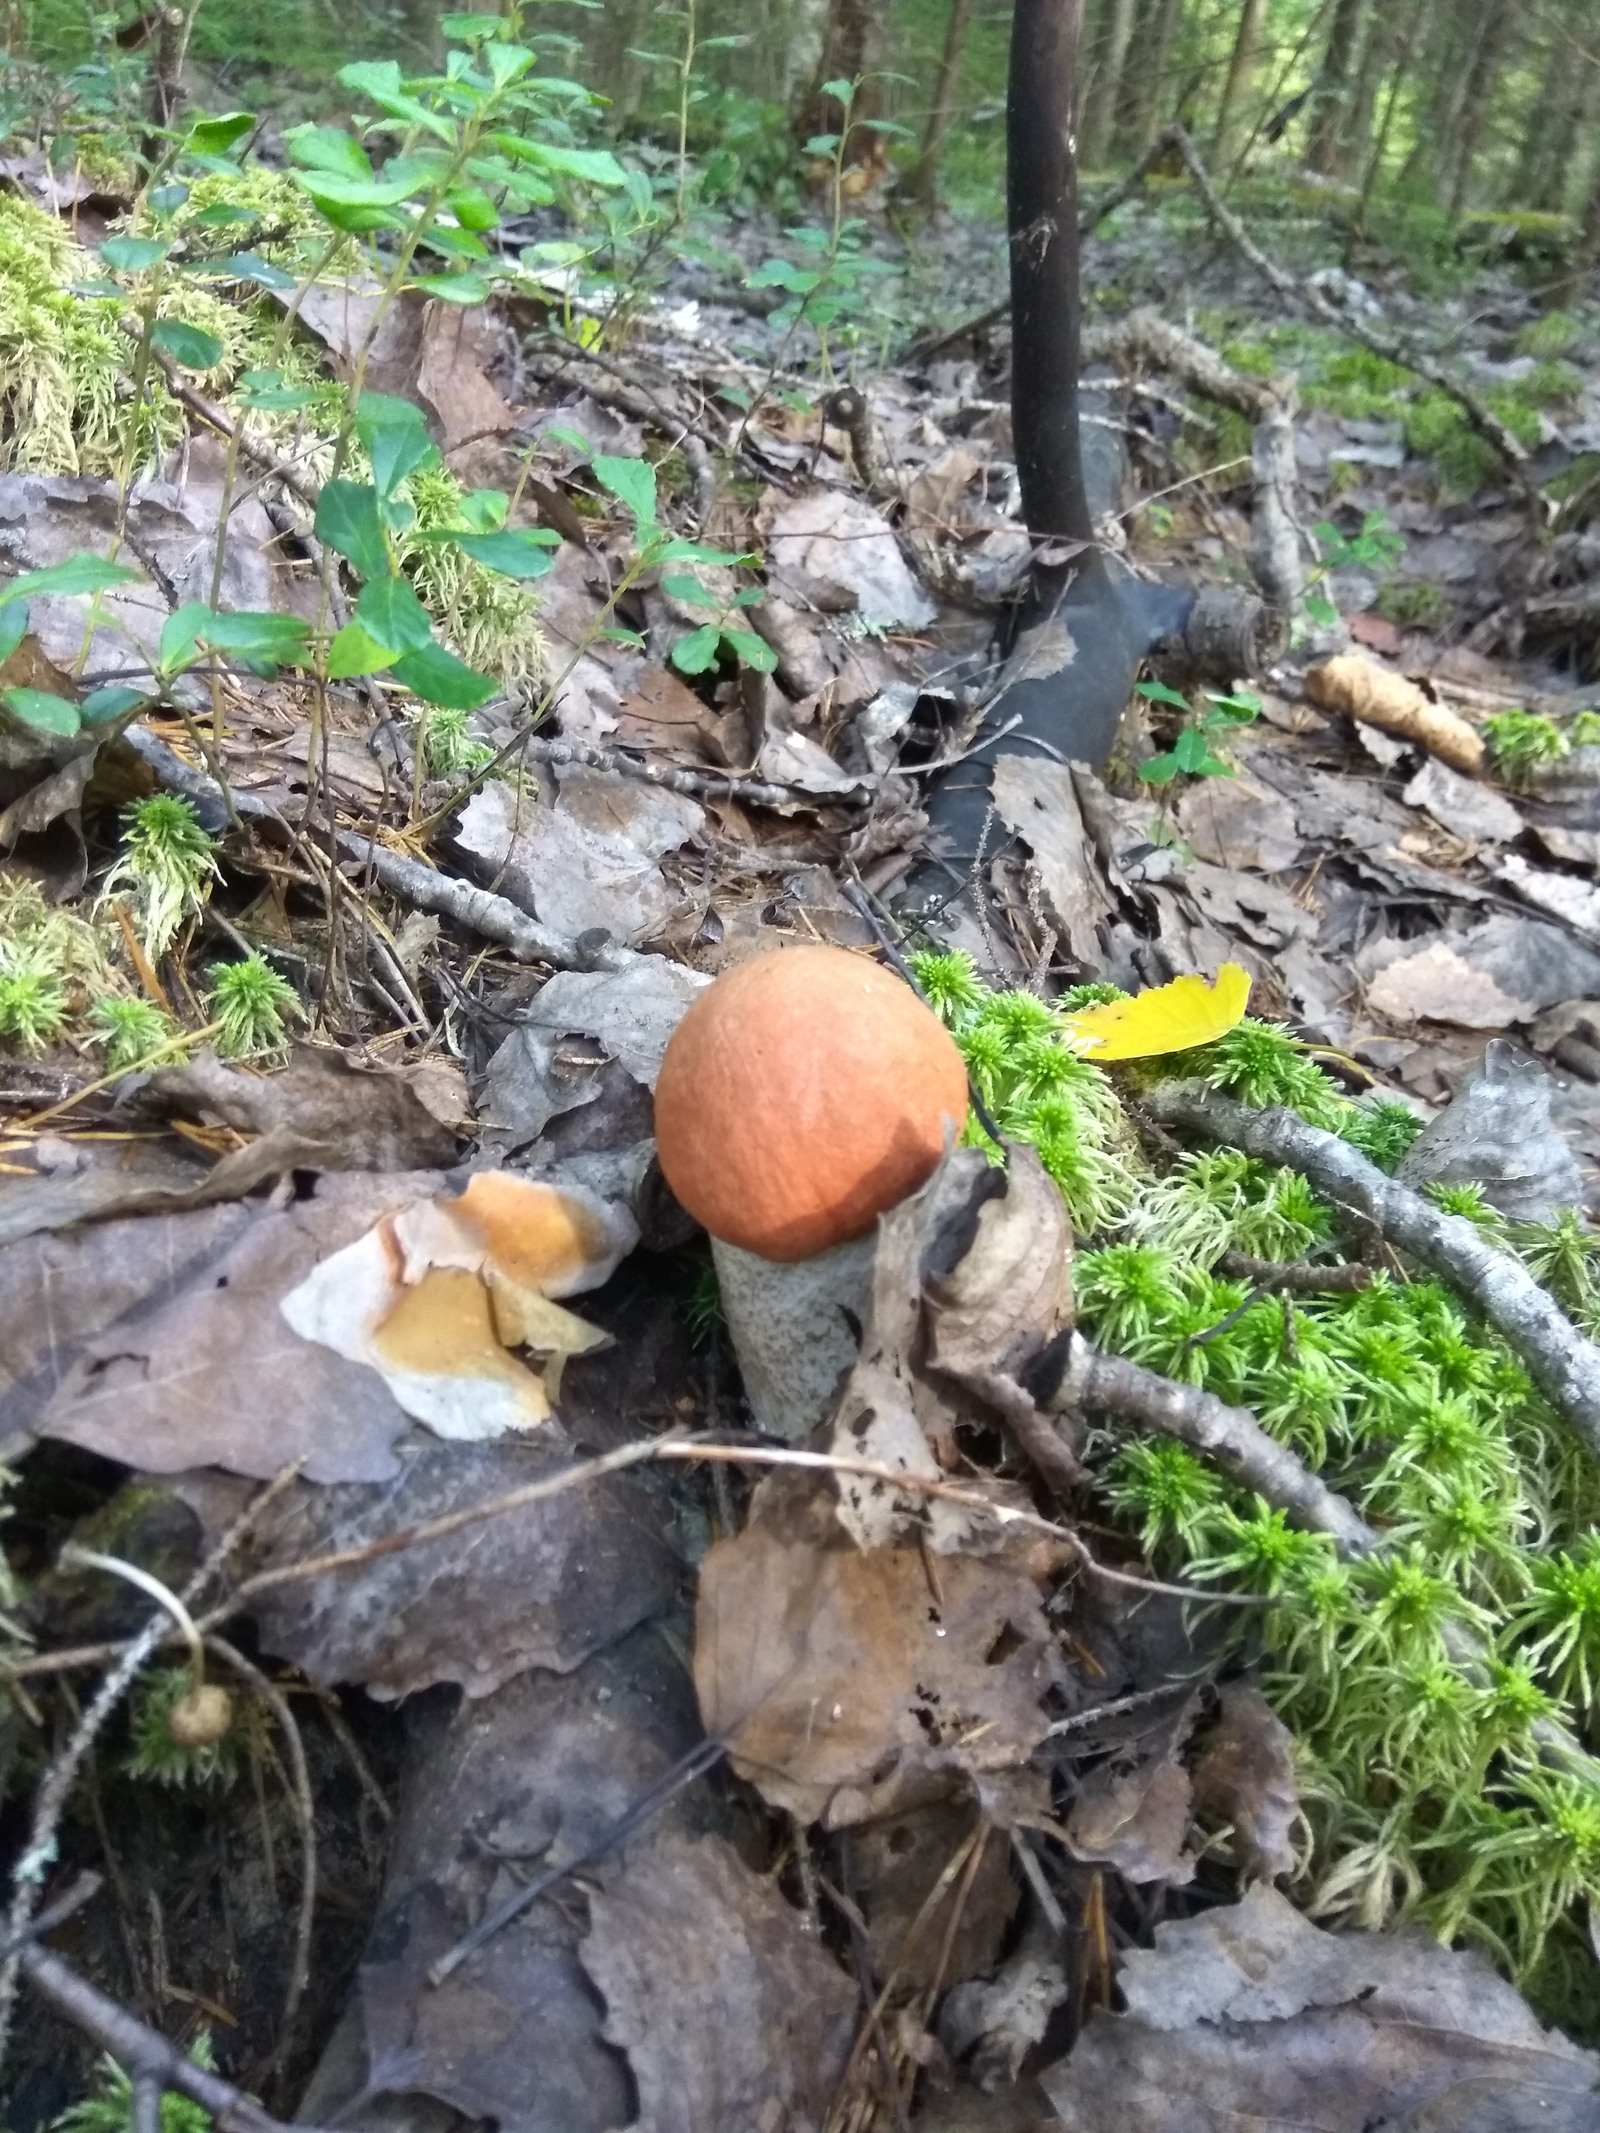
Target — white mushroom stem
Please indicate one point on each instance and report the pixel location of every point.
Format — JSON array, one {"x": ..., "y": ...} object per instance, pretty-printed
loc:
[
  {"x": 75, "y": 1558},
  {"x": 795, "y": 1327}
]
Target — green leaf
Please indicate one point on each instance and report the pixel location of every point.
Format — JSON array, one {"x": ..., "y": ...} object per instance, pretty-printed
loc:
[
  {"x": 1159, "y": 770},
  {"x": 1157, "y": 692},
  {"x": 519, "y": 552},
  {"x": 690, "y": 591},
  {"x": 1242, "y": 708},
  {"x": 1321, "y": 610},
  {"x": 474, "y": 210},
  {"x": 396, "y": 438},
  {"x": 631, "y": 481},
  {"x": 454, "y": 288},
  {"x": 438, "y": 677},
  {"x": 333, "y": 188},
  {"x": 378, "y": 80},
  {"x": 753, "y": 650},
  {"x": 131, "y": 255},
  {"x": 392, "y": 615},
  {"x": 1192, "y": 752},
  {"x": 266, "y": 390},
  {"x": 842, "y": 91},
  {"x": 178, "y": 636},
  {"x": 485, "y": 510},
  {"x": 697, "y": 552},
  {"x": 165, "y": 200},
  {"x": 187, "y": 345},
  {"x": 115, "y": 700},
  {"x": 328, "y": 148},
  {"x": 78, "y": 574},
  {"x": 215, "y": 136},
  {"x": 244, "y": 266},
  {"x": 354, "y": 653},
  {"x": 697, "y": 653},
  {"x": 347, "y": 519},
  {"x": 595, "y": 166},
  {"x": 255, "y": 633},
  {"x": 470, "y": 29},
  {"x": 13, "y": 627},
  {"x": 783, "y": 274},
  {"x": 44, "y": 713}
]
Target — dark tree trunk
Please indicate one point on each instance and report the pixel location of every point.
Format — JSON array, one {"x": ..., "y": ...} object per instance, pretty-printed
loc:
[
  {"x": 852, "y": 50},
  {"x": 922, "y": 183},
  {"x": 1477, "y": 89},
  {"x": 1331, "y": 105},
  {"x": 1241, "y": 78},
  {"x": 1147, "y": 80},
  {"x": 1042, "y": 217},
  {"x": 1104, "y": 96}
]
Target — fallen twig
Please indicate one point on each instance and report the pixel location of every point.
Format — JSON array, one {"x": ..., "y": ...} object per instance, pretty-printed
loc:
[
  {"x": 1564, "y": 1365},
  {"x": 1390, "y": 346},
  {"x": 1230, "y": 1435},
  {"x": 143, "y": 2053},
  {"x": 1301, "y": 1278},
  {"x": 698, "y": 784}
]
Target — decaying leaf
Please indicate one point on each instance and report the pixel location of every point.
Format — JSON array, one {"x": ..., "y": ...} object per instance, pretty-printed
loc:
[
  {"x": 434, "y": 1296},
  {"x": 993, "y": 2023},
  {"x": 831, "y": 537},
  {"x": 730, "y": 2016},
  {"x": 544, "y": 1586},
  {"x": 530, "y": 1777},
  {"x": 1249, "y": 2017},
  {"x": 1245, "y": 1777},
  {"x": 1039, "y": 801},
  {"x": 1497, "y": 1132},
  {"x": 211, "y": 1375},
  {"x": 592, "y": 861},
  {"x": 1135, "y": 1819},
  {"x": 1169, "y": 1018},
  {"x": 1361, "y": 689},
  {"x": 849, "y": 1681}
]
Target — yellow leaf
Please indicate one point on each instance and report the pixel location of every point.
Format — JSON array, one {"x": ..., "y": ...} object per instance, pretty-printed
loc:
[{"x": 1172, "y": 1018}]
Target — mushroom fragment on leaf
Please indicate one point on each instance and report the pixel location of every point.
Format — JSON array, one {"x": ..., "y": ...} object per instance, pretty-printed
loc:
[{"x": 436, "y": 1295}]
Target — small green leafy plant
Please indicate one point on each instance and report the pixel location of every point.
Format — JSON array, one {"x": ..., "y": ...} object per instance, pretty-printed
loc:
[
  {"x": 130, "y": 1028},
  {"x": 1194, "y": 753},
  {"x": 1375, "y": 547},
  {"x": 110, "y": 2108},
  {"x": 1521, "y": 742},
  {"x": 168, "y": 863}
]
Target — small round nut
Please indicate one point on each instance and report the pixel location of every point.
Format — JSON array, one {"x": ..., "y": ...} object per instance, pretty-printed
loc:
[{"x": 201, "y": 1717}]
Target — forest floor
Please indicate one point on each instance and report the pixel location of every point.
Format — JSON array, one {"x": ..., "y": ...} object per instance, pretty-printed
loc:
[{"x": 525, "y": 1814}]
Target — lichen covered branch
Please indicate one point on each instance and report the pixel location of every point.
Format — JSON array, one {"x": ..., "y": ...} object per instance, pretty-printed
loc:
[
  {"x": 1229, "y": 1435},
  {"x": 1564, "y": 1365}
]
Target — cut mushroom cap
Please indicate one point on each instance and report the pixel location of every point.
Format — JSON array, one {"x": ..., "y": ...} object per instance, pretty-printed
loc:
[{"x": 802, "y": 1095}]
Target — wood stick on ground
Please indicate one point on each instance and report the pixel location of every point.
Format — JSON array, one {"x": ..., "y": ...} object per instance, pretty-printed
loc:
[
  {"x": 1392, "y": 347},
  {"x": 143, "y": 2053},
  {"x": 1564, "y": 1365},
  {"x": 1230, "y": 1435}
]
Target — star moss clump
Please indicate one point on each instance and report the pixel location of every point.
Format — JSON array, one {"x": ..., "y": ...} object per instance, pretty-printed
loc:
[{"x": 1425, "y": 1794}]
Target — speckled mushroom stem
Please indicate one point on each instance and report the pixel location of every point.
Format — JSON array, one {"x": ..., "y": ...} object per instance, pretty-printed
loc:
[{"x": 795, "y": 1327}]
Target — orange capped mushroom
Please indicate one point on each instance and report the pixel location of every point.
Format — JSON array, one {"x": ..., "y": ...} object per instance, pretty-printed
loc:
[{"x": 802, "y": 1095}]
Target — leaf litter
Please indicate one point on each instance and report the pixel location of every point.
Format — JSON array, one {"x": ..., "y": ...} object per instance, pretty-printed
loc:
[{"x": 300, "y": 1277}]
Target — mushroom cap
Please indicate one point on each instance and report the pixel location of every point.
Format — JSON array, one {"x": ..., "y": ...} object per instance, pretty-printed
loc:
[{"x": 804, "y": 1093}]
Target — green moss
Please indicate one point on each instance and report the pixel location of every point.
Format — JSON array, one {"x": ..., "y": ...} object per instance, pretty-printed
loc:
[
  {"x": 492, "y": 621},
  {"x": 1549, "y": 336},
  {"x": 1415, "y": 604}
]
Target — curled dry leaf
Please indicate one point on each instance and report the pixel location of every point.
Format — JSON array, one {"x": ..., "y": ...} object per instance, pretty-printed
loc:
[
  {"x": 848, "y": 1681},
  {"x": 1497, "y": 1133},
  {"x": 435, "y": 1296},
  {"x": 1249, "y": 2016},
  {"x": 1363, "y": 690},
  {"x": 1135, "y": 1820},
  {"x": 1245, "y": 1777}
]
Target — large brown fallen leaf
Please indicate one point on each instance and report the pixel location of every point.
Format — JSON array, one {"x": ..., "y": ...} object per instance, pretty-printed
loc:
[
  {"x": 545, "y": 1586},
  {"x": 1250, "y": 2017},
  {"x": 210, "y": 1374},
  {"x": 849, "y": 1681},
  {"x": 732, "y": 2018},
  {"x": 1244, "y": 1776},
  {"x": 532, "y": 1777}
]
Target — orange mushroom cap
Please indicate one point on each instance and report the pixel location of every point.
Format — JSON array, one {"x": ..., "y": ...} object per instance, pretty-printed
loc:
[{"x": 803, "y": 1094}]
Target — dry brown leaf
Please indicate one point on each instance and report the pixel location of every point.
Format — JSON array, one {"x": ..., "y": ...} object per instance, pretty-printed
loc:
[
  {"x": 1245, "y": 1777},
  {"x": 1437, "y": 984},
  {"x": 731, "y": 2017},
  {"x": 1039, "y": 801},
  {"x": 849, "y": 1682},
  {"x": 1363, "y": 690},
  {"x": 1135, "y": 1820},
  {"x": 1249, "y": 2017}
]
